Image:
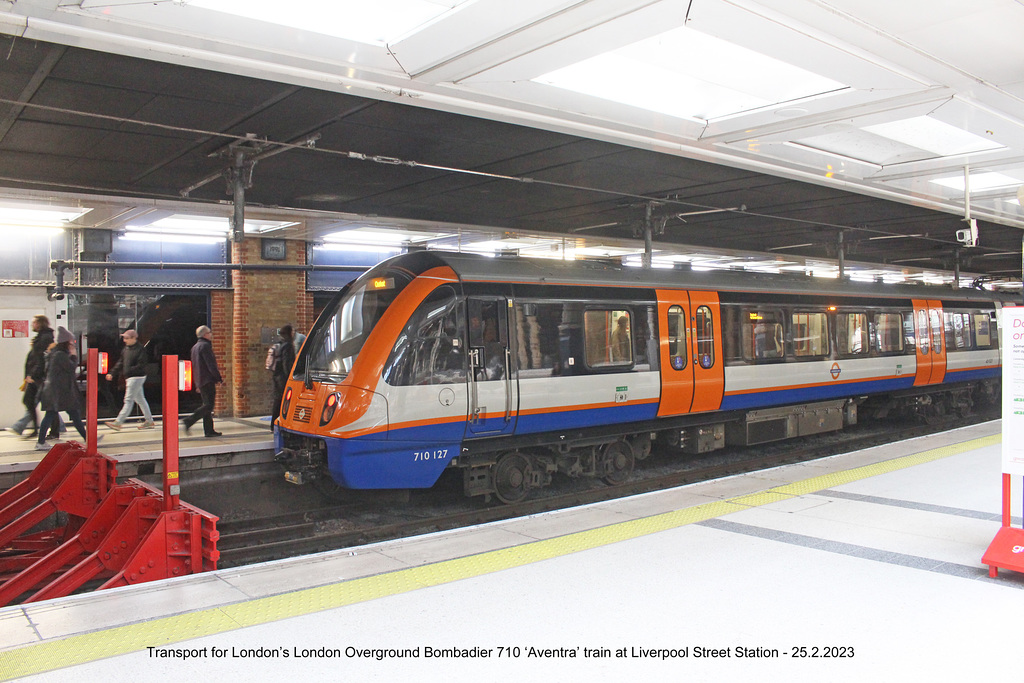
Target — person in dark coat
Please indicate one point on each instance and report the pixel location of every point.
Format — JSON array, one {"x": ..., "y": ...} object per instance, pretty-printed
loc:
[
  {"x": 59, "y": 391},
  {"x": 35, "y": 373},
  {"x": 284, "y": 367},
  {"x": 132, "y": 366},
  {"x": 205, "y": 377}
]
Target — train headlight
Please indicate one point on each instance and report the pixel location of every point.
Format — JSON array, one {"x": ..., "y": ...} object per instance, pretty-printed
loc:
[
  {"x": 330, "y": 406},
  {"x": 286, "y": 402}
]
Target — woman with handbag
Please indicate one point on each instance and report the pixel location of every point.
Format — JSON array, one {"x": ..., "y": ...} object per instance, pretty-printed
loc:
[{"x": 59, "y": 392}]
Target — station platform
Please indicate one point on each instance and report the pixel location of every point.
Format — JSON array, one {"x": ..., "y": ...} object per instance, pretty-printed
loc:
[
  {"x": 244, "y": 440},
  {"x": 858, "y": 566}
]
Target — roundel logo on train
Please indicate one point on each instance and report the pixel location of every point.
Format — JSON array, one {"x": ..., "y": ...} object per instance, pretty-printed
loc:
[{"x": 835, "y": 371}]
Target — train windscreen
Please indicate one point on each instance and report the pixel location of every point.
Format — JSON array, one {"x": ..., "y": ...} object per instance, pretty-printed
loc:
[{"x": 333, "y": 350}]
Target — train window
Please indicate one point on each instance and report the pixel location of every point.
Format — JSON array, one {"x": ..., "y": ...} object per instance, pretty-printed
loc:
[
  {"x": 958, "y": 331},
  {"x": 982, "y": 330},
  {"x": 810, "y": 335},
  {"x": 677, "y": 351},
  {"x": 335, "y": 344},
  {"x": 537, "y": 350},
  {"x": 763, "y": 335},
  {"x": 488, "y": 335},
  {"x": 935, "y": 319},
  {"x": 705, "y": 337},
  {"x": 608, "y": 338},
  {"x": 889, "y": 332},
  {"x": 922, "y": 331},
  {"x": 430, "y": 348},
  {"x": 851, "y": 333}
]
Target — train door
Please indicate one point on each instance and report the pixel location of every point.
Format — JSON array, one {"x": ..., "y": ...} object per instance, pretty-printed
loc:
[
  {"x": 706, "y": 345},
  {"x": 692, "y": 376},
  {"x": 931, "y": 346},
  {"x": 493, "y": 391}
]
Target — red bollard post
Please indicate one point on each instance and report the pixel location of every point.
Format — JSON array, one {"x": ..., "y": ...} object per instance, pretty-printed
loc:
[
  {"x": 172, "y": 486},
  {"x": 91, "y": 400}
]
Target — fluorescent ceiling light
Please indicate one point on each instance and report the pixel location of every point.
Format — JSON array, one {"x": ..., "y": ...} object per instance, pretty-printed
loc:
[
  {"x": 927, "y": 133},
  {"x": 376, "y": 22},
  {"x": 382, "y": 237},
  {"x": 979, "y": 181},
  {"x": 686, "y": 73},
  {"x": 263, "y": 227},
  {"x": 203, "y": 226},
  {"x": 36, "y": 216},
  {"x": 12, "y": 235},
  {"x": 362, "y": 248},
  {"x": 169, "y": 237}
]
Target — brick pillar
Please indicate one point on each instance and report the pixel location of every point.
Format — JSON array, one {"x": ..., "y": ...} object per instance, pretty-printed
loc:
[
  {"x": 263, "y": 300},
  {"x": 221, "y": 322}
]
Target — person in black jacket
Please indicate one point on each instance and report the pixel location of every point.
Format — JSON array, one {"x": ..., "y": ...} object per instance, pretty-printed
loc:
[
  {"x": 35, "y": 373},
  {"x": 132, "y": 366},
  {"x": 59, "y": 391},
  {"x": 286, "y": 359},
  {"x": 205, "y": 377}
]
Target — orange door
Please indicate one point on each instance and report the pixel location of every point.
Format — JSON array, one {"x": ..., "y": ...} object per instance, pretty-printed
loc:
[
  {"x": 692, "y": 374},
  {"x": 675, "y": 352},
  {"x": 931, "y": 343},
  {"x": 706, "y": 345},
  {"x": 923, "y": 343},
  {"x": 938, "y": 338}
]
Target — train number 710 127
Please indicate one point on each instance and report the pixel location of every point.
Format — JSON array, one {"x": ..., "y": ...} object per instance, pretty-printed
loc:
[{"x": 438, "y": 454}]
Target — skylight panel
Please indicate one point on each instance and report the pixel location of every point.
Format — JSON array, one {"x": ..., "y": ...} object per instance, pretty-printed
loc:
[
  {"x": 378, "y": 22},
  {"x": 686, "y": 73},
  {"x": 928, "y": 133},
  {"x": 979, "y": 182}
]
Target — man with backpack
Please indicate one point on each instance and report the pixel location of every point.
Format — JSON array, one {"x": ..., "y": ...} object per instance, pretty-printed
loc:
[{"x": 280, "y": 360}]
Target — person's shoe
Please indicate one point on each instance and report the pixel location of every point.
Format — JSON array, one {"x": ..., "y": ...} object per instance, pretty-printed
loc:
[
  {"x": 12, "y": 430},
  {"x": 30, "y": 437},
  {"x": 187, "y": 426},
  {"x": 113, "y": 425},
  {"x": 212, "y": 434},
  {"x": 42, "y": 446},
  {"x": 147, "y": 425}
]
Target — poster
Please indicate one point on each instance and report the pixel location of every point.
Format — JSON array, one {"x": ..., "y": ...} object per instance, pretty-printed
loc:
[
  {"x": 1012, "y": 344},
  {"x": 14, "y": 328}
]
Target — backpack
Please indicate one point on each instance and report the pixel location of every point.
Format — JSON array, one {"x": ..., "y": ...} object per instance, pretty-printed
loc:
[{"x": 273, "y": 358}]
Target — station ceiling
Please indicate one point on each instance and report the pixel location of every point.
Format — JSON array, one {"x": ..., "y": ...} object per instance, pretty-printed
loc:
[{"x": 841, "y": 119}]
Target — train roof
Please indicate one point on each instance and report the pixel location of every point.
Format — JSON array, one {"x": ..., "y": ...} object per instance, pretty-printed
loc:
[{"x": 519, "y": 270}]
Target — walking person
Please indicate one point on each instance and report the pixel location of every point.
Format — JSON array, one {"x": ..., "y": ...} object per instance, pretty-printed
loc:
[
  {"x": 59, "y": 391},
  {"x": 206, "y": 377},
  {"x": 132, "y": 366},
  {"x": 284, "y": 360},
  {"x": 35, "y": 373}
]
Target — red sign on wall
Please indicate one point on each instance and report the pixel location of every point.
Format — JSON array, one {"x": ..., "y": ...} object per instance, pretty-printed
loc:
[{"x": 14, "y": 328}]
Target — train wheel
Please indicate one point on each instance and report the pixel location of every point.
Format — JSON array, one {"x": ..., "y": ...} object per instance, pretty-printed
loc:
[
  {"x": 617, "y": 462},
  {"x": 512, "y": 475}
]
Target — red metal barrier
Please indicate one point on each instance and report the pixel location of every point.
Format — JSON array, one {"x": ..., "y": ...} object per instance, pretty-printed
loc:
[
  {"x": 126, "y": 534},
  {"x": 66, "y": 480}
]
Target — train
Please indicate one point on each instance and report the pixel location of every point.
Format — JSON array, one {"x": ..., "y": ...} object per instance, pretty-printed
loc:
[{"x": 513, "y": 370}]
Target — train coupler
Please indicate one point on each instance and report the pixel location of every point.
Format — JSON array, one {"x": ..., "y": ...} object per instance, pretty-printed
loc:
[{"x": 300, "y": 466}]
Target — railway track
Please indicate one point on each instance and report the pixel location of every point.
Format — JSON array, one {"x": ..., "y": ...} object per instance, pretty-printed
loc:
[{"x": 365, "y": 521}]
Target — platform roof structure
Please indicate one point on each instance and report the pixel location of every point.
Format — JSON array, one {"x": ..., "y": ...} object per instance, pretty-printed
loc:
[{"x": 779, "y": 127}]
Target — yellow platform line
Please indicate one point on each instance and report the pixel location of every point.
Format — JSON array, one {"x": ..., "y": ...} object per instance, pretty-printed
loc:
[{"x": 87, "y": 647}]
